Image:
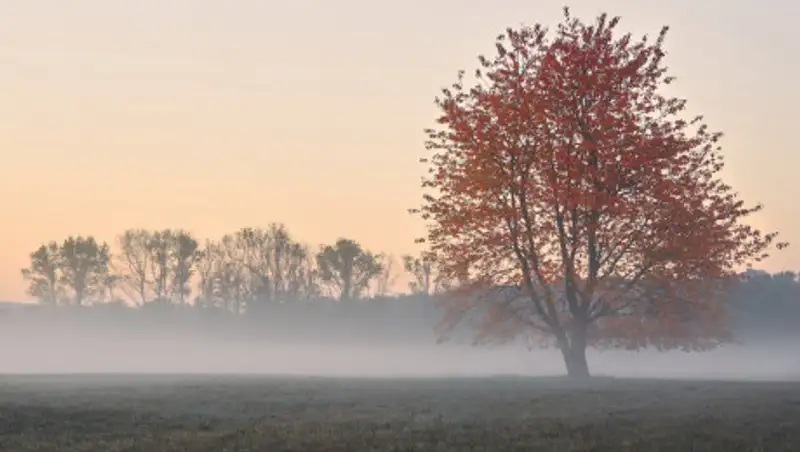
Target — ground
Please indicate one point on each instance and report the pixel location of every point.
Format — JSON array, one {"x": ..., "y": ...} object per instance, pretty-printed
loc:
[{"x": 223, "y": 413}]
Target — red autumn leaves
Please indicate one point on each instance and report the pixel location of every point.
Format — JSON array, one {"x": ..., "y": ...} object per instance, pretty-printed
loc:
[{"x": 565, "y": 169}]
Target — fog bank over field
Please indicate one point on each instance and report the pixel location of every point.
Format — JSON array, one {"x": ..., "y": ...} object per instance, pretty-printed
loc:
[
  {"x": 374, "y": 337},
  {"x": 76, "y": 354}
]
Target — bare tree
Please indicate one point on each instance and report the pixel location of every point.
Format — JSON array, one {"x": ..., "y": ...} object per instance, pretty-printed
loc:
[
  {"x": 207, "y": 259},
  {"x": 185, "y": 253},
  {"x": 347, "y": 268},
  {"x": 159, "y": 247},
  {"x": 280, "y": 268},
  {"x": 84, "y": 267},
  {"x": 387, "y": 278},
  {"x": 134, "y": 262},
  {"x": 173, "y": 256},
  {"x": 423, "y": 270},
  {"x": 301, "y": 276},
  {"x": 110, "y": 285},
  {"x": 224, "y": 280},
  {"x": 43, "y": 274}
]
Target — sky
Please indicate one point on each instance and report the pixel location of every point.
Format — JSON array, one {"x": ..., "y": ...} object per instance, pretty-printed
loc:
[{"x": 211, "y": 115}]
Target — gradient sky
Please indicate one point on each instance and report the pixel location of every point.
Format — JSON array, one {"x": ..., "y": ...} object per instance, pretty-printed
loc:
[{"x": 216, "y": 114}]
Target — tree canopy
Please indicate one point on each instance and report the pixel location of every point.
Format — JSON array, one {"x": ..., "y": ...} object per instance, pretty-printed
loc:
[{"x": 564, "y": 170}]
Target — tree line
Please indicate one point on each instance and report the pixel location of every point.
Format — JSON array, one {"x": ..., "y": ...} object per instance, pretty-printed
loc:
[
  {"x": 761, "y": 306},
  {"x": 244, "y": 270},
  {"x": 765, "y": 305}
]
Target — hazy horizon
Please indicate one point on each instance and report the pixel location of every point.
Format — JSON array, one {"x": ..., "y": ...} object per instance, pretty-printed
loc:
[
  {"x": 141, "y": 113},
  {"x": 193, "y": 355}
]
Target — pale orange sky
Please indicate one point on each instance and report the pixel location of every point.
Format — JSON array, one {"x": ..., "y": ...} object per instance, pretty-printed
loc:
[{"x": 211, "y": 115}]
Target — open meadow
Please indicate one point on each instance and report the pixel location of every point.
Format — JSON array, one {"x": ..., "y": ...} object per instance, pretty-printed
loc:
[{"x": 255, "y": 413}]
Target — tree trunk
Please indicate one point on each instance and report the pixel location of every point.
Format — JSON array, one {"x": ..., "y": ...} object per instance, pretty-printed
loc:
[
  {"x": 346, "y": 289},
  {"x": 574, "y": 352}
]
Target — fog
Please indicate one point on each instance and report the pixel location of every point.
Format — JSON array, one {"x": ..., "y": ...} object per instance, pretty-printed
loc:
[
  {"x": 44, "y": 353},
  {"x": 393, "y": 338}
]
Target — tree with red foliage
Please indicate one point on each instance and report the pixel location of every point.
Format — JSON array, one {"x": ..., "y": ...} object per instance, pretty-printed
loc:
[{"x": 569, "y": 194}]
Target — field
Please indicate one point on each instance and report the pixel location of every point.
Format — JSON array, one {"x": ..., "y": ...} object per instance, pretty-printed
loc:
[{"x": 225, "y": 413}]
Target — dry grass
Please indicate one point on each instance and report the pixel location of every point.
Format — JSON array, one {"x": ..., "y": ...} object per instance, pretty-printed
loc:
[{"x": 156, "y": 413}]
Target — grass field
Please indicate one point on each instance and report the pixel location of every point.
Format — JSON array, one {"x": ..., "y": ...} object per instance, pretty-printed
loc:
[{"x": 225, "y": 413}]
